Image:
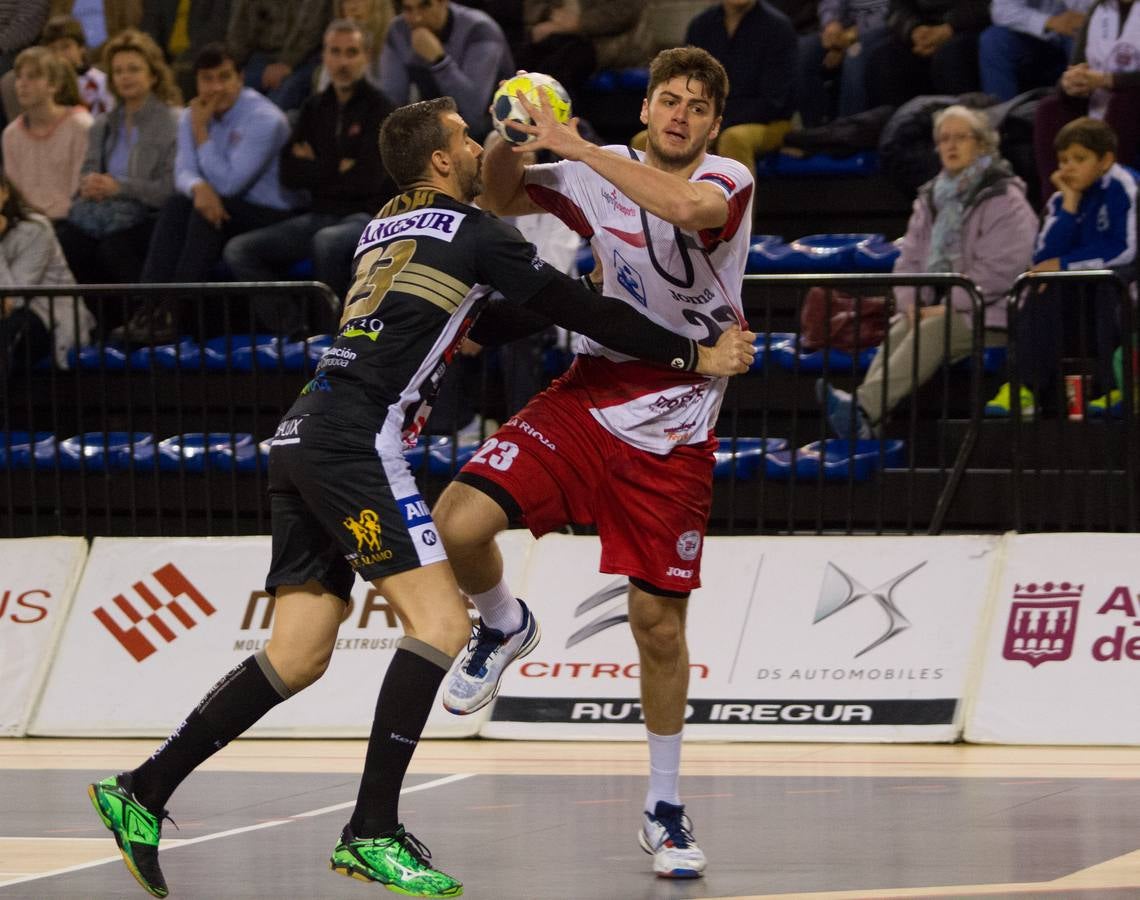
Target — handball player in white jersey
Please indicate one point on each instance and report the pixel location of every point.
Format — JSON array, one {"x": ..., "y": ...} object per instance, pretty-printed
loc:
[{"x": 618, "y": 443}]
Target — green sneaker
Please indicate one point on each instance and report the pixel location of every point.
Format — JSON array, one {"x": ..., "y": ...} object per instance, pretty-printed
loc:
[
  {"x": 1001, "y": 405},
  {"x": 398, "y": 861},
  {"x": 1112, "y": 402},
  {"x": 136, "y": 829}
]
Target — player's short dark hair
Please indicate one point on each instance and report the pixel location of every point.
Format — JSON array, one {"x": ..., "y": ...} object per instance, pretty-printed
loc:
[
  {"x": 213, "y": 55},
  {"x": 1093, "y": 134},
  {"x": 691, "y": 62},
  {"x": 410, "y": 135},
  {"x": 63, "y": 28}
]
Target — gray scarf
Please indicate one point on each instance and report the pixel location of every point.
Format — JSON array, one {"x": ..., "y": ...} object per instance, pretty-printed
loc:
[{"x": 949, "y": 196}]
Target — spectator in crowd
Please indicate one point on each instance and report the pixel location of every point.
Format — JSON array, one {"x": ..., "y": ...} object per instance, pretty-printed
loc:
[
  {"x": 64, "y": 35},
  {"x": 101, "y": 19},
  {"x": 446, "y": 49},
  {"x": 932, "y": 49},
  {"x": 128, "y": 172},
  {"x": 570, "y": 39},
  {"x": 334, "y": 153},
  {"x": 757, "y": 47},
  {"x": 1090, "y": 223},
  {"x": 1028, "y": 45},
  {"x": 21, "y": 22},
  {"x": 278, "y": 43},
  {"x": 34, "y": 328},
  {"x": 836, "y": 56},
  {"x": 972, "y": 219},
  {"x": 182, "y": 28},
  {"x": 1103, "y": 82},
  {"x": 45, "y": 145},
  {"x": 803, "y": 14},
  {"x": 226, "y": 183},
  {"x": 373, "y": 17}
]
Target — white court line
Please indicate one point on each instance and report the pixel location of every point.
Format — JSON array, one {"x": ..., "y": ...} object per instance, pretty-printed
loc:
[{"x": 173, "y": 845}]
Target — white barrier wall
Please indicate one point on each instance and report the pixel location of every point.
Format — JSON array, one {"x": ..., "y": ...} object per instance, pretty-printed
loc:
[
  {"x": 789, "y": 639},
  {"x": 1015, "y": 639},
  {"x": 38, "y": 577},
  {"x": 156, "y": 622},
  {"x": 1062, "y": 654}
]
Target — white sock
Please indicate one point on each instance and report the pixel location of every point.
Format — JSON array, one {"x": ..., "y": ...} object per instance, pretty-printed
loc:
[
  {"x": 664, "y": 769},
  {"x": 499, "y": 608}
]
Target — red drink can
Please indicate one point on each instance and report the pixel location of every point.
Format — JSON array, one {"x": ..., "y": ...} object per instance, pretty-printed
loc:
[{"x": 1075, "y": 396}]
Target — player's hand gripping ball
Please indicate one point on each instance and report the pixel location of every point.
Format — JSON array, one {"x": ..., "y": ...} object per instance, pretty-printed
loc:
[{"x": 506, "y": 108}]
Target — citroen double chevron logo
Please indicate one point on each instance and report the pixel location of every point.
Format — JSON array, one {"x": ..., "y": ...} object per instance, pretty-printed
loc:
[
  {"x": 839, "y": 590},
  {"x": 158, "y": 614},
  {"x": 617, "y": 615}
]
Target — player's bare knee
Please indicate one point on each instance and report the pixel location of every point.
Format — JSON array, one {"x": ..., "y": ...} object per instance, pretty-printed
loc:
[
  {"x": 465, "y": 518},
  {"x": 298, "y": 668},
  {"x": 661, "y": 637}
]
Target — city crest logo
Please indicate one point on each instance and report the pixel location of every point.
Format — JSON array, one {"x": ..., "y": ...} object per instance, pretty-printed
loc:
[{"x": 1042, "y": 622}]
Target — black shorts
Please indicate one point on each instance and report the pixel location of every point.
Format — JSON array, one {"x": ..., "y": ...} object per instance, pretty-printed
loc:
[{"x": 339, "y": 506}]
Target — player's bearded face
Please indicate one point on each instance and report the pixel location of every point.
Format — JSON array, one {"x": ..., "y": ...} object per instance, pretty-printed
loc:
[
  {"x": 681, "y": 120},
  {"x": 466, "y": 157}
]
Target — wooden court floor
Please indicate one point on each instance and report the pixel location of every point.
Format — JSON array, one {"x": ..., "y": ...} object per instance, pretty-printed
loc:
[{"x": 528, "y": 821}]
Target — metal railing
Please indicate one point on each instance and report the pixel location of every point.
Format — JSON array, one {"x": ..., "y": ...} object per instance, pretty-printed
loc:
[{"x": 935, "y": 465}]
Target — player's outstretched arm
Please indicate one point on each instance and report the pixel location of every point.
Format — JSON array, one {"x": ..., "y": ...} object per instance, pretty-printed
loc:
[{"x": 617, "y": 325}]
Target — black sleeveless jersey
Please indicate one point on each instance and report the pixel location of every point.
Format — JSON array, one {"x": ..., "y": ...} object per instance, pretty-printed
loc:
[{"x": 423, "y": 270}]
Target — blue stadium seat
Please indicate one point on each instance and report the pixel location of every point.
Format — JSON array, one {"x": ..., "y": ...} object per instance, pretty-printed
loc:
[
  {"x": 109, "y": 358},
  {"x": 186, "y": 354},
  {"x": 813, "y": 362},
  {"x": 839, "y": 460},
  {"x": 993, "y": 361},
  {"x": 744, "y": 461},
  {"x": 766, "y": 343},
  {"x": 318, "y": 344},
  {"x": 584, "y": 260},
  {"x": 17, "y": 447},
  {"x": 784, "y": 165},
  {"x": 607, "y": 81},
  {"x": 822, "y": 253},
  {"x": 440, "y": 453},
  {"x": 265, "y": 352},
  {"x": 876, "y": 255},
  {"x": 193, "y": 452},
  {"x": 97, "y": 451}
]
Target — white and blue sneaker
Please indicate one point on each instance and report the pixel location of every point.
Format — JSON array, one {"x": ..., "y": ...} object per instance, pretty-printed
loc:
[
  {"x": 844, "y": 415},
  {"x": 666, "y": 833},
  {"x": 475, "y": 681}
]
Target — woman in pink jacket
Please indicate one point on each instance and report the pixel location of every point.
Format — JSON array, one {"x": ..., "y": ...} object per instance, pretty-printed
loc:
[{"x": 972, "y": 219}]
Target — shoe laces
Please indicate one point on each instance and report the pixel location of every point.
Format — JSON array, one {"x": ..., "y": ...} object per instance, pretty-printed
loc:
[
  {"x": 678, "y": 827},
  {"x": 413, "y": 846},
  {"x": 483, "y": 642}
]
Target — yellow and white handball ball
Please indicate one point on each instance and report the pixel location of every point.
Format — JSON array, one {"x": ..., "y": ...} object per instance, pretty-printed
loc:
[{"x": 506, "y": 108}]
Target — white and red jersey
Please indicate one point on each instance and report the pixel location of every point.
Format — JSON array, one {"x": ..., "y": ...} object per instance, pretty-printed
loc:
[{"x": 689, "y": 282}]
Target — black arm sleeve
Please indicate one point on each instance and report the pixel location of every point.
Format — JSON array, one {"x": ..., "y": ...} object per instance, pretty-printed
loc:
[
  {"x": 612, "y": 323},
  {"x": 608, "y": 321}
]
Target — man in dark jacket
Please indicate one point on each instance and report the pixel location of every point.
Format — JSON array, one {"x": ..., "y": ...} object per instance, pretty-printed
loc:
[
  {"x": 757, "y": 45},
  {"x": 205, "y": 23},
  {"x": 333, "y": 154},
  {"x": 932, "y": 49}
]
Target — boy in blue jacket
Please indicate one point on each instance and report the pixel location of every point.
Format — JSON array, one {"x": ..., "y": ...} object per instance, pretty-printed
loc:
[{"x": 1090, "y": 223}]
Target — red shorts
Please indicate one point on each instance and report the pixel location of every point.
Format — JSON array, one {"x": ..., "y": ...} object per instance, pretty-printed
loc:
[{"x": 560, "y": 467}]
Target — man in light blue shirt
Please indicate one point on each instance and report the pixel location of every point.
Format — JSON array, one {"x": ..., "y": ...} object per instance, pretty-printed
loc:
[
  {"x": 226, "y": 183},
  {"x": 1029, "y": 44}
]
